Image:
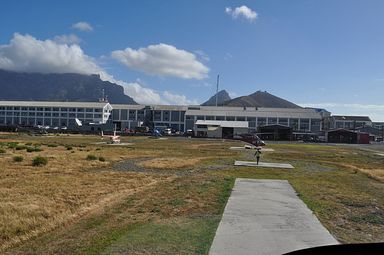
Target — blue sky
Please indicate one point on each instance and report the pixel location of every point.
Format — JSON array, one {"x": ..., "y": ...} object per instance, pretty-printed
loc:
[{"x": 314, "y": 53}]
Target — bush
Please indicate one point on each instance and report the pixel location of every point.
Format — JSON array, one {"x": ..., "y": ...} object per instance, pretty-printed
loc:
[
  {"x": 102, "y": 159},
  {"x": 18, "y": 158},
  {"x": 2, "y": 150},
  {"x": 39, "y": 161},
  {"x": 68, "y": 148},
  {"x": 52, "y": 145},
  {"x": 20, "y": 147},
  {"x": 32, "y": 149},
  {"x": 12, "y": 145},
  {"x": 91, "y": 157}
]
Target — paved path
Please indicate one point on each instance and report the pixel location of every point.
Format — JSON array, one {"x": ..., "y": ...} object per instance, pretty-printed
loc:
[
  {"x": 265, "y": 217},
  {"x": 263, "y": 164}
]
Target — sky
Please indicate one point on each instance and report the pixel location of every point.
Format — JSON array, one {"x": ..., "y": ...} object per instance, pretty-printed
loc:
[{"x": 324, "y": 54}]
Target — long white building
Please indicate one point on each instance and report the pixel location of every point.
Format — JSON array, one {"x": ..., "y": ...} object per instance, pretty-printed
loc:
[{"x": 182, "y": 118}]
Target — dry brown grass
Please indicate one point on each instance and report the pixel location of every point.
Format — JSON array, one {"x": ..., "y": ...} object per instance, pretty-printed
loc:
[
  {"x": 35, "y": 200},
  {"x": 375, "y": 173}
]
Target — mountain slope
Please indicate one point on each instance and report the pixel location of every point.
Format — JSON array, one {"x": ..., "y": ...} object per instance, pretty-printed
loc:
[
  {"x": 222, "y": 97},
  {"x": 58, "y": 87},
  {"x": 261, "y": 99}
]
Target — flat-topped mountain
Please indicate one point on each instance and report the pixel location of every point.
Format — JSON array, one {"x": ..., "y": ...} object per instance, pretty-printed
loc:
[{"x": 16, "y": 86}]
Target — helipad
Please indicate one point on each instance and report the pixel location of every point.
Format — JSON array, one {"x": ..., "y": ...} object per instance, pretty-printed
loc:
[{"x": 263, "y": 164}]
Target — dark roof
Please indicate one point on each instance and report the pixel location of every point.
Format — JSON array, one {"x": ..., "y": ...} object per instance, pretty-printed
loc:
[
  {"x": 342, "y": 130},
  {"x": 356, "y": 118}
]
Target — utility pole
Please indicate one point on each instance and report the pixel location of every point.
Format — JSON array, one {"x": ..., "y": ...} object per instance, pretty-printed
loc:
[{"x": 217, "y": 88}]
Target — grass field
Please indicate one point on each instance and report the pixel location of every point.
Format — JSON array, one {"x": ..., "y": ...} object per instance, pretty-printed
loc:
[{"x": 166, "y": 196}]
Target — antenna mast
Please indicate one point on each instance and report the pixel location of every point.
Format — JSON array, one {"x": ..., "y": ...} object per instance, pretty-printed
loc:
[{"x": 217, "y": 88}]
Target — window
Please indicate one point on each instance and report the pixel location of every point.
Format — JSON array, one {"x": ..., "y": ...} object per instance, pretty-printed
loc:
[
  {"x": 175, "y": 116},
  {"x": 272, "y": 121},
  {"x": 132, "y": 115},
  {"x": 200, "y": 117},
  {"x": 294, "y": 124},
  {"x": 230, "y": 118},
  {"x": 220, "y": 118},
  {"x": 283, "y": 121},
  {"x": 304, "y": 124},
  {"x": 261, "y": 121}
]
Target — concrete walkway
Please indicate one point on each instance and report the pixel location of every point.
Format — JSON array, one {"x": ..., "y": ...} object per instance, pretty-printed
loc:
[
  {"x": 265, "y": 217},
  {"x": 263, "y": 164}
]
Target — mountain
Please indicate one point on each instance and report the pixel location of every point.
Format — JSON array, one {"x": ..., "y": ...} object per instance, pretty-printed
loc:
[
  {"x": 261, "y": 99},
  {"x": 222, "y": 97},
  {"x": 16, "y": 86}
]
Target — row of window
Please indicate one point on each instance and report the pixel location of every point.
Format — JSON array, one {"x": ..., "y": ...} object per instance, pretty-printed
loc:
[
  {"x": 141, "y": 115},
  {"x": 349, "y": 125},
  {"x": 49, "y": 109},
  {"x": 48, "y": 114},
  {"x": 40, "y": 121}
]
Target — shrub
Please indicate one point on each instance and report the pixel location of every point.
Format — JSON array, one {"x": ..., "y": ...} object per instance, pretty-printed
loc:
[
  {"x": 68, "y": 147},
  {"x": 18, "y": 158},
  {"x": 91, "y": 157},
  {"x": 39, "y": 161},
  {"x": 52, "y": 145},
  {"x": 2, "y": 150},
  {"x": 32, "y": 149},
  {"x": 12, "y": 145},
  {"x": 28, "y": 144},
  {"x": 102, "y": 159},
  {"x": 20, "y": 147}
]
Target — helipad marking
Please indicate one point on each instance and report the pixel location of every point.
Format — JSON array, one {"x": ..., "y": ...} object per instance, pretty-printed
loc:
[
  {"x": 249, "y": 148},
  {"x": 263, "y": 164}
]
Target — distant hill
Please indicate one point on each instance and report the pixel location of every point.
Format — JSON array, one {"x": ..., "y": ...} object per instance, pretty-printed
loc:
[
  {"x": 261, "y": 99},
  {"x": 222, "y": 97},
  {"x": 59, "y": 87}
]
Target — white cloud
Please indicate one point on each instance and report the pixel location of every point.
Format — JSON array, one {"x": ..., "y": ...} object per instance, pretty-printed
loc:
[
  {"x": 242, "y": 12},
  {"x": 202, "y": 55},
  {"x": 67, "y": 39},
  {"x": 82, "y": 26},
  {"x": 27, "y": 54},
  {"x": 162, "y": 60},
  {"x": 177, "y": 99},
  {"x": 374, "y": 111}
]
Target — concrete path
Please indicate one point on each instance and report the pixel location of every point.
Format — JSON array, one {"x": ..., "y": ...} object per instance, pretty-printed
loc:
[
  {"x": 265, "y": 217},
  {"x": 263, "y": 164}
]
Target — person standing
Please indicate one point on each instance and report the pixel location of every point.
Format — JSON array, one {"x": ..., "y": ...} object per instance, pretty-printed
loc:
[{"x": 257, "y": 154}]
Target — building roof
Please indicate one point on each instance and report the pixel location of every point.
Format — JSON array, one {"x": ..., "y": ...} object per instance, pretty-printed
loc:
[
  {"x": 223, "y": 123},
  {"x": 150, "y": 107},
  {"x": 54, "y": 104},
  {"x": 351, "y": 118},
  {"x": 255, "y": 112}
]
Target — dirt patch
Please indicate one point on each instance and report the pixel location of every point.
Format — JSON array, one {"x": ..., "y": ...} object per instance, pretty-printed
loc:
[{"x": 170, "y": 163}]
